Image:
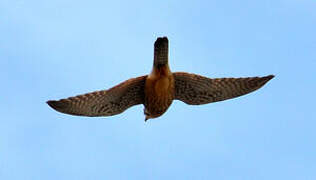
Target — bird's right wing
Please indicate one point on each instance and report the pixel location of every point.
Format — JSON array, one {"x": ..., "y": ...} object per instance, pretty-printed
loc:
[
  {"x": 106, "y": 102},
  {"x": 195, "y": 89}
]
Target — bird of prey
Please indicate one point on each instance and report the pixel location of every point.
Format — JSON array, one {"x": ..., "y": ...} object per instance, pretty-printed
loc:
[{"x": 157, "y": 90}]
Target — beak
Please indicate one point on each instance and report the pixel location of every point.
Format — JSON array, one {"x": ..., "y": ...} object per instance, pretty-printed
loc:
[{"x": 146, "y": 118}]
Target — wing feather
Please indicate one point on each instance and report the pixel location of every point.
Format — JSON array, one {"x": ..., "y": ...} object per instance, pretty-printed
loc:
[
  {"x": 195, "y": 89},
  {"x": 104, "y": 103}
]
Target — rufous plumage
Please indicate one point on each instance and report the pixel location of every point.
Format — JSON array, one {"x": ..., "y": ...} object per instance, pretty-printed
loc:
[{"x": 157, "y": 90}]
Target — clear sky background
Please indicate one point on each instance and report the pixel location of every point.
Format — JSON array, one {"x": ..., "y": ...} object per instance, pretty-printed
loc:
[{"x": 56, "y": 49}]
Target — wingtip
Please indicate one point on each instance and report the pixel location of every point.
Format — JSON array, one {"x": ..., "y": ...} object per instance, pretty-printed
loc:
[
  {"x": 54, "y": 104},
  {"x": 271, "y": 76},
  {"x": 263, "y": 80},
  {"x": 268, "y": 78},
  {"x": 50, "y": 103}
]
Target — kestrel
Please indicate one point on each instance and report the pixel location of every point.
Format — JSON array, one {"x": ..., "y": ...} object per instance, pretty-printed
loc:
[{"x": 157, "y": 90}]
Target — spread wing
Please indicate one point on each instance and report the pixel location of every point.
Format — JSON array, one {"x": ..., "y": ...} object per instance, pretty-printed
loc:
[
  {"x": 195, "y": 89},
  {"x": 106, "y": 102}
]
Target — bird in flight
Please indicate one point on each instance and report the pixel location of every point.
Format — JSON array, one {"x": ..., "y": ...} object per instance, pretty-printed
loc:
[{"x": 157, "y": 90}]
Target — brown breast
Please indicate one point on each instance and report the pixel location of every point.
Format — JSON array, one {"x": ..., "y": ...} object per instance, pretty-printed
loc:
[{"x": 159, "y": 91}]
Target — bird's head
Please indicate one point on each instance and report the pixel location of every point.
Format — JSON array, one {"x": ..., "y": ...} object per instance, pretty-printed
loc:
[{"x": 147, "y": 115}]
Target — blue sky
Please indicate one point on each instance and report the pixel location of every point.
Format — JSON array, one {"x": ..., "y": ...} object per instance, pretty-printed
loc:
[{"x": 56, "y": 49}]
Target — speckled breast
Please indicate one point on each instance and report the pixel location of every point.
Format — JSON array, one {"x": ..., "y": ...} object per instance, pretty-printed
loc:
[{"x": 159, "y": 94}]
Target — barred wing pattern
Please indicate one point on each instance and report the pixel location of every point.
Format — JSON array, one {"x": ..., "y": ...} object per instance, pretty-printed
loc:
[
  {"x": 195, "y": 89},
  {"x": 104, "y": 103}
]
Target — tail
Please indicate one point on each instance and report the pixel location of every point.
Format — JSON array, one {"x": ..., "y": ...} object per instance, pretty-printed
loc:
[{"x": 161, "y": 51}]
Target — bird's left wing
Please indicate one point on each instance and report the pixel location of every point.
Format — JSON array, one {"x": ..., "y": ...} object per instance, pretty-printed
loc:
[
  {"x": 104, "y": 103},
  {"x": 195, "y": 89}
]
